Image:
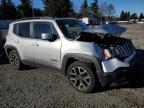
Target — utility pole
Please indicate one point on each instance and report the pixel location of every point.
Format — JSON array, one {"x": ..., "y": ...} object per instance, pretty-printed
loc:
[
  {"x": 32, "y": 8},
  {"x": 101, "y": 12},
  {"x": 21, "y": 11}
]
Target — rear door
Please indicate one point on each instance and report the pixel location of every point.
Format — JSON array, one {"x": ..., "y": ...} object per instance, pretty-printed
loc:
[{"x": 24, "y": 41}]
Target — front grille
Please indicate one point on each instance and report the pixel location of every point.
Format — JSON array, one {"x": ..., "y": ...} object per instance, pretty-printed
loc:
[{"x": 124, "y": 50}]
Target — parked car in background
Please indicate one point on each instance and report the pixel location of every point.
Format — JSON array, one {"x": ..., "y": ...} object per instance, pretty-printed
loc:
[
  {"x": 93, "y": 22},
  {"x": 4, "y": 24}
]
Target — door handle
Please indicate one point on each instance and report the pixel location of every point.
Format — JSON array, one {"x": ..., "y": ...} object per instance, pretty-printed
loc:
[{"x": 35, "y": 44}]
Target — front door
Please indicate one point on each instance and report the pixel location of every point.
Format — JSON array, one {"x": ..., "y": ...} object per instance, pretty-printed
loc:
[{"x": 44, "y": 51}]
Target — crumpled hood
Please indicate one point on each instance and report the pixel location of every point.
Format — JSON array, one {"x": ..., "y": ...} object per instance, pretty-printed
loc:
[{"x": 113, "y": 30}]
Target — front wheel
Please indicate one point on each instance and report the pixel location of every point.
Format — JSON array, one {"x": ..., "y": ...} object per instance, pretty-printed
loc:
[{"x": 81, "y": 77}]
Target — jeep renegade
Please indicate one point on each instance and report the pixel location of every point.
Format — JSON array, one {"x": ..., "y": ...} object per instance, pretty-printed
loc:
[{"x": 87, "y": 57}]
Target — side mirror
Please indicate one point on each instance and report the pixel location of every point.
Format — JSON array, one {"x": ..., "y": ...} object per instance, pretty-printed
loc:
[{"x": 46, "y": 36}]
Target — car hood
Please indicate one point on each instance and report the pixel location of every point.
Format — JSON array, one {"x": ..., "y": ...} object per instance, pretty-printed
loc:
[{"x": 113, "y": 30}]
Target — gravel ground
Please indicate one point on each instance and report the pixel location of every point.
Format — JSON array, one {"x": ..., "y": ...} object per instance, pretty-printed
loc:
[{"x": 41, "y": 88}]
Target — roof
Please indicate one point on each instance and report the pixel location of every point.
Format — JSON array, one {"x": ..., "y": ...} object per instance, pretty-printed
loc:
[
  {"x": 39, "y": 18},
  {"x": 31, "y": 18}
]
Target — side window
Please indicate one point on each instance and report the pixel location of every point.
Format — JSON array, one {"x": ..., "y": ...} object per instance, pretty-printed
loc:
[
  {"x": 24, "y": 30},
  {"x": 15, "y": 29},
  {"x": 41, "y": 27}
]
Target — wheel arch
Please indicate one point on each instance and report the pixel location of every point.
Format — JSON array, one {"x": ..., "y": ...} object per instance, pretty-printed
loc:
[
  {"x": 9, "y": 48},
  {"x": 70, "y": 58}
]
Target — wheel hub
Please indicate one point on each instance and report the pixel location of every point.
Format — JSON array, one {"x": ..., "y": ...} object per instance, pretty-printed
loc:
[
  {"x": 80, "y": 78},
  {"x": 13, "y": 60}
]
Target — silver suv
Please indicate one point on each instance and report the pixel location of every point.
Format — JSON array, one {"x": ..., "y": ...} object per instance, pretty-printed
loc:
[{"x": 88, "y": 58}]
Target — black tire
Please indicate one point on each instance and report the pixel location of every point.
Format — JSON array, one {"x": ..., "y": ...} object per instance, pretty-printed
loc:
[
  {"x": 14, "y": 60},
  {"x": 81, "y": 77}
]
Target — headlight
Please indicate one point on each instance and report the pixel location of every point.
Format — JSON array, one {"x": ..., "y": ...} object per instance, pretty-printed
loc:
[{"x": 106, "y": 54}]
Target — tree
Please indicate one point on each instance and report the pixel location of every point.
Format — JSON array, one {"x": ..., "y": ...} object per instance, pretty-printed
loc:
[
  {"x": 2, "y": 9},
  {"x": 3, "y": 2},
  {"x": 94, "y": 9},
  {"x": 8, "y": 10},
  {"x": 122, "y": 15},
  {"x": 125, "y": 16},
  {"x": 110, "y": 11},
  {"x": 141, "y": 16},
  {"x": 37, "y": 12},
  {"x": 25, "y": 8},
  {"x": 58, "y": 8},
  {"x": 50, "y": 7},
  {"x": 11, "y": 10},
  {"x": 134, "y": 16},
  {"x": 128, "y": 16},
  {"x": 85, "y": 9},
  {"x": 107, "y": 11},
  {"x": 66, "y": 8},
  {"x": 103, "y": 10}
]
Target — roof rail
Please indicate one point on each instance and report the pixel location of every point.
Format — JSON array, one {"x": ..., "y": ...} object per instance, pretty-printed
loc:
[{"x": 29, "y": 18}]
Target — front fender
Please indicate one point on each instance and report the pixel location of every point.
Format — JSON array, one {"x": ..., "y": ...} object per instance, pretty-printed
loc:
[{"x": 86, "y": 58}]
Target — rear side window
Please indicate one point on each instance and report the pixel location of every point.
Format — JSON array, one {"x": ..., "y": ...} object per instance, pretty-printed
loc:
[
  {"x": 22, "y": 29},
  {"x": 41, "y": 27},
  {"x": 15, "y": 29}
]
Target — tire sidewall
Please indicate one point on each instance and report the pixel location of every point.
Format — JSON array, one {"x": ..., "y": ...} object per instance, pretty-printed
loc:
[
  {"x": 88, "y": 68},
  {"x": 16, "y": 54}
]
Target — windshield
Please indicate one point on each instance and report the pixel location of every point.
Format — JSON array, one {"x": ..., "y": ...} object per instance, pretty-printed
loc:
[{"x": 71, "y": 28}]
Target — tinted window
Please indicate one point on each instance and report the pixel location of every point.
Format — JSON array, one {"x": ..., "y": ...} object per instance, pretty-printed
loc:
[
  {"x": 24, "y": 30},
  {"x": 15, "y": 29},
  {"x": 41, "y": 27}
]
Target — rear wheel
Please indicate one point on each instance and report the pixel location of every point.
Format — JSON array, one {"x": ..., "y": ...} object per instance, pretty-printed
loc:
[
  {"x": 81, "y": 77},
  {"x": 15, "y": 60}
]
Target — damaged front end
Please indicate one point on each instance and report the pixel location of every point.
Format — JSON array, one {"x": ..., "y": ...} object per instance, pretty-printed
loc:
[
  {"x": 108, "y": 37},
  {"x": 118, "y": 53}
]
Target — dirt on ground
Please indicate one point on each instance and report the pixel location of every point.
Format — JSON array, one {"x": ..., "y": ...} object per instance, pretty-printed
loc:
[{"x": 41, "y": 88}]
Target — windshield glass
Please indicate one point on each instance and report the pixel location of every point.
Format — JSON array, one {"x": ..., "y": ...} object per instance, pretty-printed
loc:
[{"x": 71, "y": 27}]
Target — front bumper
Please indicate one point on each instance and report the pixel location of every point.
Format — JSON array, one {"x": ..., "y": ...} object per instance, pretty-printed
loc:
[
  {"x": 114, "y": 64},
  {"x": 115, "y": 71}
]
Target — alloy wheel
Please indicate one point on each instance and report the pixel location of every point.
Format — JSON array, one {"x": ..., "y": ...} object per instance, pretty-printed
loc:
[{"x": 80, "y": 78}]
